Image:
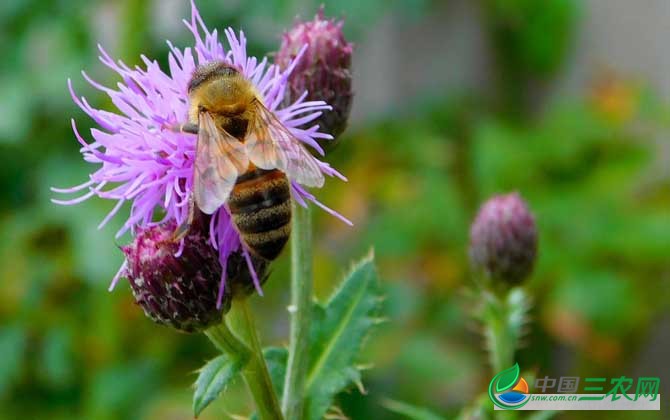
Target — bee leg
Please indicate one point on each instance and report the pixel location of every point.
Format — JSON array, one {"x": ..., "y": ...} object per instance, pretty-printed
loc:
[
  {"x": 185, "y": 128},
  {"x": 182, "y": 230}
]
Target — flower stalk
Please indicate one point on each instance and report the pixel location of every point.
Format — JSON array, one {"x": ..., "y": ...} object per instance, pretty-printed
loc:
[
  {"x": 226, "y": 342},
  {"x": 255, "y": 372},
  {"x": 300, "y": 310},
  {"x": 500, "y": 340}
]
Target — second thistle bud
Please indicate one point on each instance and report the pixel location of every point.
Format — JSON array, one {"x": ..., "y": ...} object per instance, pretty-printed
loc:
[
  {"x": 324, "y": 70},
  {"x": 503, "y": 239}
]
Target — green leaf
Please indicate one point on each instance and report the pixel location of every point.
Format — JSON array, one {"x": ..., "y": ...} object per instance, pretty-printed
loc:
[
  {"x": 337, "y": 333},
  {"x": 276, "y": 359},
  {"x": 410, "y": 411},
  {"x": 212, "y": 379},
  {"x": 507, "y": 378}
]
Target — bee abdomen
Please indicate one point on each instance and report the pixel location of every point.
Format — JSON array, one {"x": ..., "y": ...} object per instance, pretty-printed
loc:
[{"x": 260, "y": 205}]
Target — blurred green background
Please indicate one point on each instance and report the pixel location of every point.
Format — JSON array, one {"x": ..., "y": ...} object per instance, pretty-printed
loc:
[{"x": 564, "y": 101}]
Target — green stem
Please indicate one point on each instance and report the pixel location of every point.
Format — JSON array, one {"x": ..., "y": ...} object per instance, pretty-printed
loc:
[
  {"x": 226, "y": 342},
  {"x": 301, "y": 299},
  {"x": 261, "y": 385},
  {"x": 255, "y": 372},
  {"x": 502, "y": 341},
  {"x": 503, "y": 349}
]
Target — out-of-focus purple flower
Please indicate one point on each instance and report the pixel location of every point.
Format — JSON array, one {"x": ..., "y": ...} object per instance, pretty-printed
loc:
[
  {"x": 143, "y": 163},
  {"x": 503, "y": 239},
  {"x": 324, "y": 71}
]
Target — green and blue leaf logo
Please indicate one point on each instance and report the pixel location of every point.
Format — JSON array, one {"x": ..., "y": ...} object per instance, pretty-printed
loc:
[{"x": 508, "y": 390}]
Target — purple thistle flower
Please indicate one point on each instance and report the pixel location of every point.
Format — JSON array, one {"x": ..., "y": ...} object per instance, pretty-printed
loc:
[
  {"x": 503, "y": 239},
  {"x": 141, "y": 161}
]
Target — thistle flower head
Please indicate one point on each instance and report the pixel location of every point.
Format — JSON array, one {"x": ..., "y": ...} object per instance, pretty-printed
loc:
[
  {"x": 182, "y": 291},
  {"x": 179, "y": 292},
  {"x": 140, "y": 161},
  {"x": 503, "y": 239},
  {"x": 324, "y": 70}
]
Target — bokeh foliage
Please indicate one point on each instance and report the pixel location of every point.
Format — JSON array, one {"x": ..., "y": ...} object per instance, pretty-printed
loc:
[{"x": 589, "y": 166}]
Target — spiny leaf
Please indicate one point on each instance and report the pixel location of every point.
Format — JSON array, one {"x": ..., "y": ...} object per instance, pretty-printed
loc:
[
  {"x": 212, "y": 379},
  {"x": 505, "y": 320},
  {"x": 518, "y": 305},
  {"x": 337, "y": 333}
]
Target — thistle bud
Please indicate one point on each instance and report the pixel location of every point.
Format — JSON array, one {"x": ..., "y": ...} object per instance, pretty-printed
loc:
[
  {"x": 503, "y": 239},
  {"x": 177, "y": 291},
  {"x": 324, "y": 70}
]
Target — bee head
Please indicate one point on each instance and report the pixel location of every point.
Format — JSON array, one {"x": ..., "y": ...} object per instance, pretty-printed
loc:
[
  {"x": 219, "y": 88},
  {"x": 216, "y": 70}
]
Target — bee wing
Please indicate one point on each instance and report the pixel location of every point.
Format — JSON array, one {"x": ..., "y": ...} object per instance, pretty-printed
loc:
[
  {"x": 271, "y": 145},
  {"x": 219, "y": 158}
]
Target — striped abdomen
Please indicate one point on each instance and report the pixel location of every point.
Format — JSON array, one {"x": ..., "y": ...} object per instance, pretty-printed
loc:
[{"x": 260, "y": 204}]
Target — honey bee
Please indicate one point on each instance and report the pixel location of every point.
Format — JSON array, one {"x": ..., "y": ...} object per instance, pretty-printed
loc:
[{"x": 244, "y": 159}]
